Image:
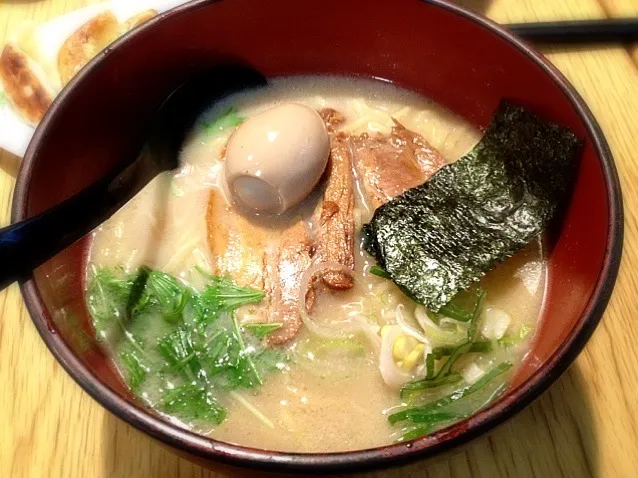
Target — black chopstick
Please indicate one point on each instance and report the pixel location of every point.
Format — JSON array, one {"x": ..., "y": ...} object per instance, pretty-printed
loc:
[{"x": 581, "y": 31}]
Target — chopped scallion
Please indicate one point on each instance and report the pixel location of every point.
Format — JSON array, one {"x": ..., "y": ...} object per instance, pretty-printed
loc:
[
  {"x": 414, "y": 387},
  {"x": 421, "y": 413},
  {"x": 446, "y": 369},
  {"x": 378, "y": 271},
  {"x": 483, "y": 346}
]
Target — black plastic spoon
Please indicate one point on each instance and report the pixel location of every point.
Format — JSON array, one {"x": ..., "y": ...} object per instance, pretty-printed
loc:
[
  {"x": 27, "y": 244},
  {"x": 606, "y": 30}
]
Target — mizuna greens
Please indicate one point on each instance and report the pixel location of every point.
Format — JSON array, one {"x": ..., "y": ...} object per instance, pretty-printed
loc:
[{"x": 201, "y": 352}]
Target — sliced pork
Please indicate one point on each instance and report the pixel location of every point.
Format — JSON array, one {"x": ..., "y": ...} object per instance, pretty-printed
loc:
[
  {"x": 237, "y": 245},
  {"x": 284, "y": 285},
  {"x": 390, "y": 165},
  {"x": 270, "y": 260},
  {"x": 274, "y": 260},
  {"x": 335, "y": 235}
]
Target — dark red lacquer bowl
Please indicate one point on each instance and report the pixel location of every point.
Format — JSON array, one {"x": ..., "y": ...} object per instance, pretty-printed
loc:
[{"x": 442, "y": 51}]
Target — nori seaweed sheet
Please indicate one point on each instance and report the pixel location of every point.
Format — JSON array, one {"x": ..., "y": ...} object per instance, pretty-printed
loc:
[{"x": 437, "y": 239}]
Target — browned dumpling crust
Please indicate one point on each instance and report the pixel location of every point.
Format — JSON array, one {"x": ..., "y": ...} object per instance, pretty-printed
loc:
[
  {"x": 86, "y": 42},
  {"x": 24, "y": 84},
  {"x": 137, "y": 20},
  {"x": 91, "y": 38}
]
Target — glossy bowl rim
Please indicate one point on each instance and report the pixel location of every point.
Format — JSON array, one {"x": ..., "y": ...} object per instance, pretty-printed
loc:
[{"x": 359, "y": 460}]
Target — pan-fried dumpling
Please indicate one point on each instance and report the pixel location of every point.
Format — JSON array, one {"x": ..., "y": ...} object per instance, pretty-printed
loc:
[
  {"x": 86, "y": 42},
  {"x": 25, "y": 84},
  {"x": 43, "y": 58}
]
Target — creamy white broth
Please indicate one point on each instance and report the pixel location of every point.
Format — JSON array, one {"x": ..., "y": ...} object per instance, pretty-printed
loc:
[{"x": 335, "y": 402}]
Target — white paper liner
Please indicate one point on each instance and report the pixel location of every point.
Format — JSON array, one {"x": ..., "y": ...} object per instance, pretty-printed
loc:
[{"x": 14, "y": 133}]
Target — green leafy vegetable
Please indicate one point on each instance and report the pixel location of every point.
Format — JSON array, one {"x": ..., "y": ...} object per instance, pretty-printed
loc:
[
  {"x": 429, "y": 423},
  {"x": 169, "y": 293},
  {"x": 443, "y": 377},
  {"x": 244, "y": 356},
  {"x": 424, "y": 419},
  {"x": 228, "y": 119},
  {"x": 223, "y": 294},
  {"x": 455, "y": 406},
  {"x": 269, "y": 360},
  {"x": 441, "y": 237},
  {"x": 201, "y": 350},
  {"x": 135, "y": 370},
  {"x": 464, "y": 306},
  {"x": 158, "y": 292},
  {"x": 220, "y": 354},
  {"x": 262, "y": 330},
  {"x": 229, "y": 364},
  {"x": 455, "y": 312},
  {"x": 429, "y": 365},
  {"x": 178, "y": 351},
  {"x": 456, "y": 354},
  {"x": 107, "y": 298},
  {"x": 473, "y": 331},
  {"x": 378, "y": 271},
  {"x": 433, "y": 380},
  {"x": 3, "y": 99},
  {"x": 436, "y": 382},
  {"x": 193, "y": 402},
  {"x": 483, "y": 346},
  {"x": 421, "y": 413}
]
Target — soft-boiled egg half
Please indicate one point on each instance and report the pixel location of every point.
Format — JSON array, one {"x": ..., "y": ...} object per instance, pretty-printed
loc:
[{"x": 276, "y": 158}]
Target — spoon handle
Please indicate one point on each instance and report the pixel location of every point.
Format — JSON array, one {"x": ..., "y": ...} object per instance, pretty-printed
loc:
[
  {"x": 27, "y": 244},
  {"x": 579, "y": 31}
]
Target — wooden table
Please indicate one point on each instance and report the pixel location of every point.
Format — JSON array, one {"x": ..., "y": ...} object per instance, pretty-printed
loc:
[{"x": 585, "y": 425}]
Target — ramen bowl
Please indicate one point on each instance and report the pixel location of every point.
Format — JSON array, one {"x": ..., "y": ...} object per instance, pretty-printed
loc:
[{"x": 459, "y": 59}]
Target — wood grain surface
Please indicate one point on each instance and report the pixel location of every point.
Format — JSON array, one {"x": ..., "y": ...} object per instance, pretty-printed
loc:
[{"x": 585, "y": 425}]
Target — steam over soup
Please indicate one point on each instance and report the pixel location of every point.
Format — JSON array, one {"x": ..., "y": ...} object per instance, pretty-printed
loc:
[{"x": 338, "y": 264}]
